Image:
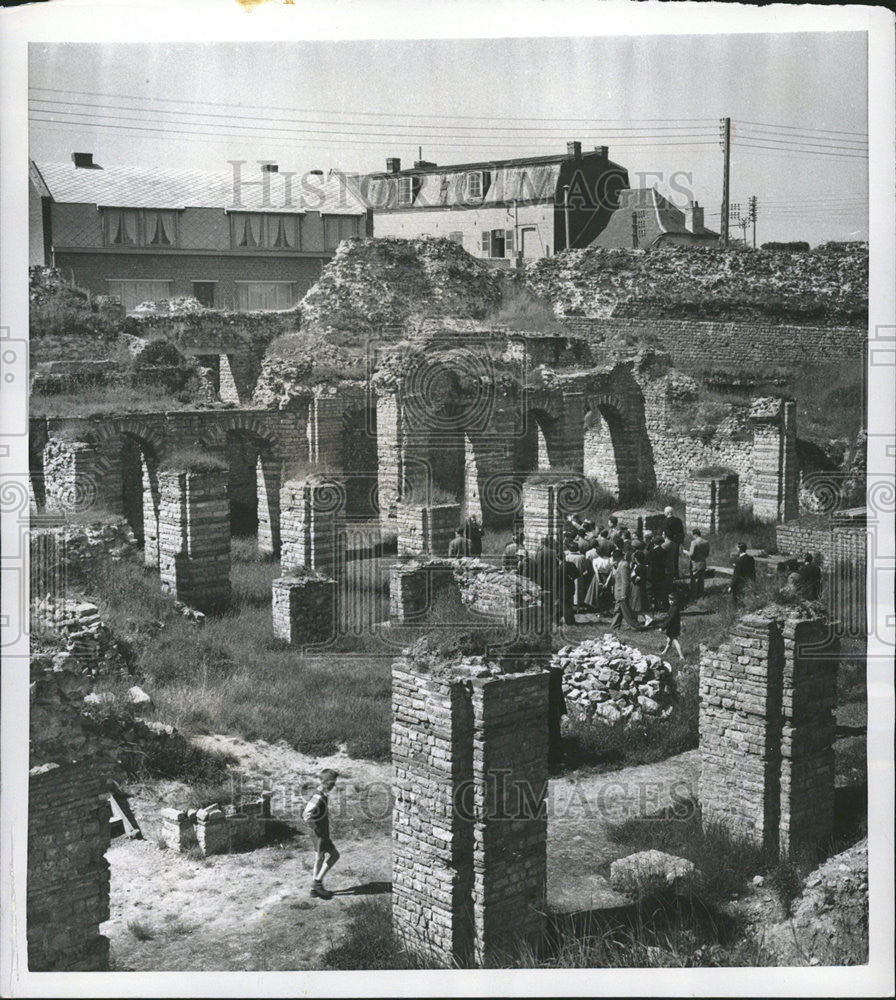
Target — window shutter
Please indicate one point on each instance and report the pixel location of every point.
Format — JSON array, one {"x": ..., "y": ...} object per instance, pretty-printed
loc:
[
  {"x": 486, "y": 242},
  {"x": 508, "y": 243}
]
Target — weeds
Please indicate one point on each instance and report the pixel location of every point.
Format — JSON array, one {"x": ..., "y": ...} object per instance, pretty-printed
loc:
[{"x": 141, "y": 931}]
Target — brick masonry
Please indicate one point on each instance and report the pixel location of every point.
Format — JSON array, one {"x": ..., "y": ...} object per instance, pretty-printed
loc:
[
  {"x": 767, "y": 731},
  {"x": 194, "y": 538},
  {"x": 545, "y": 509},
  {"x": 213, "y": 830},
  {"x": 711, "y": 502},
  {"x": 304, "y": 609},
  {"x": 68, "y": 875},
  {"x": 426, "y": 530},
  {"x": 311, "y": 526},
  {"x": 469, "y": 825}
]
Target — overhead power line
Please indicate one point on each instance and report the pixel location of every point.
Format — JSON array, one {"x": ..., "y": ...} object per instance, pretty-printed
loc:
[{"x": 802, "y": 128}]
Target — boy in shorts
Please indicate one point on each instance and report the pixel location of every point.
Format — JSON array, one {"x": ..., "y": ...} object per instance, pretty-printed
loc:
[{"x": 317, "y": 816}]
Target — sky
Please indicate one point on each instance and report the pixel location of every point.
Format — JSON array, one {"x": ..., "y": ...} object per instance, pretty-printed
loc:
[{"x": 798, "y": 105}]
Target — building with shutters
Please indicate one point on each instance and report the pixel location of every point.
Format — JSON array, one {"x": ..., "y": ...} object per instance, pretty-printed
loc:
[
  {"x": 645, "y": 219},
  {"x": 248, "y": 238},
  {"x": 501, "y": 209}
]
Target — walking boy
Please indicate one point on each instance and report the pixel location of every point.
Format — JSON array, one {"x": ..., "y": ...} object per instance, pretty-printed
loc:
[{"x": 317, "y": 816}]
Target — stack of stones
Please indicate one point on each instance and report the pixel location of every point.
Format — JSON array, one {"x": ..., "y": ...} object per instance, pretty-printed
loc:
[
  {"x": 71, "y": 475},
  {"x": 61, "y": 556},
  {"x": 608, "y": 682},
  {"x": 194, "y": 537},
  {"x": 304, "y": 608},
  {"x": 311, "y": 525},
  {"x": 426, "y": 530},
  {"x": 214, "y": 830},
  {"x": 711, "y": 500}
]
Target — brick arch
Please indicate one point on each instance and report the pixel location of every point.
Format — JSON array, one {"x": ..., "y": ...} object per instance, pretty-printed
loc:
[
  {"x": 215, "y": 436},
  {"x": 109, "y": 431}
]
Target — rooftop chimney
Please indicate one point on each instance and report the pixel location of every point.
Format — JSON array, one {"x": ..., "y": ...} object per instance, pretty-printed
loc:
[
  {"x": 574, "y": 150},
  {"x": 269, "y": 168},
  {"x": 603, "y": 152},
  {"x": 424, "y": 164},
  {"x": 82, "y": 159},
  {"x": 393, "y": 165},
  {"x": 693, "y": 218}
]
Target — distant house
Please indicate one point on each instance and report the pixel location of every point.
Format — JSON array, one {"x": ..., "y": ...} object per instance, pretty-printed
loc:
[
  {"x": 248, "y": 238},
  {"x": 645, "y": 218},
  {"x": 500, "y": 209}
]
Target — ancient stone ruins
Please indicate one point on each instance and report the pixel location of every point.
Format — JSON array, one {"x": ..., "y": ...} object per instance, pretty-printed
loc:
[{"x": 460, "y": 420}]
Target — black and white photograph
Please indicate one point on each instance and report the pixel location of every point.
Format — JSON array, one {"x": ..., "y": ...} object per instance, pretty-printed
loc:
[{"x": 448, "y": 500}]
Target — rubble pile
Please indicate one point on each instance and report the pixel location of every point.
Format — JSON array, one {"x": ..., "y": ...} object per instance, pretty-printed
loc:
[
  {"x": 606, "y": 681},
  {"x": 89, "y": 645}
]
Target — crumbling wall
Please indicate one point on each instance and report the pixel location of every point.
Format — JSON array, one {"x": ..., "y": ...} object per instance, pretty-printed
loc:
[{"x": 60, "y": 557}]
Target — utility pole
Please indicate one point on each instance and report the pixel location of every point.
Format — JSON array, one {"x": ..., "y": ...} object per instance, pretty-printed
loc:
[
  {"x": 726, "y": 146},
  {"x": 752, "y": 216},
  {"x": 566, "y": 211}
]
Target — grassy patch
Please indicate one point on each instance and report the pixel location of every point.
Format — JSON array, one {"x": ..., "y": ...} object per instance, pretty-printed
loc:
[{"x": 101, "y": 400}]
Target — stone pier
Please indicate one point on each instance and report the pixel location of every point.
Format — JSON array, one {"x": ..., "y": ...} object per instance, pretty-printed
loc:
[
  {"x": 469, "y": 825},
  {"x": 427, "y": 530},
  {"x": 194, "y": 537},
  {"x": 545, "y": 508},
  {"x": 767, "y": 731},
  {"x": 711, "y": 500},
  {"x": 76, "y": 479},
  {"x": 304, "y": 609},
  {"x": 311, "y": 526},
  {"x": 775, "y": 463}
]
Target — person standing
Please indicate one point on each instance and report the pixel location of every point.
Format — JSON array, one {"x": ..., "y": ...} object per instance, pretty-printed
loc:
[
  {"x": 671, "y": 626},
  {"x": 656, "y": 575},
  {"x": 459, "y": 546},
  {"x": 614, "y": 531},
  {"x": 673, "y": 529},
  {"x": 569, "y": 581},
  {"x": 638, "y": 596},
  {"x": 511, "y": 558},
  {"x": 809, "y": 578},
  {"x": 698, "y": 554},
  {"x": 621, "y": 592},
  {"x": 473, "y": 532},
  {"x": 547, "y": 574},
  {"x": 317, "y": 815},
  {"x": 744, "y": 573},
  {"x": 670, "y": 563},
  {"x": 576, "y": 559}
]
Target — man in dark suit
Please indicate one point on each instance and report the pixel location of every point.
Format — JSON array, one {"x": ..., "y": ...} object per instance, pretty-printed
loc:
[
  {"x": 548, "y": 574},
  {"x": 744, "y": 573},
  {"x": 459, "y": 546},
  {"x": 809, "y": 578},
  {"x": 673, "y": 529}
]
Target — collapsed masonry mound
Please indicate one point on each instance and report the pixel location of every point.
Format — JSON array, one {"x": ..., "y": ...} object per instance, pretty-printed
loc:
[
  {"x": 824, "y": 286},
  {"x": 375, "y": 283},
  {"x": 828, "y": 924},
  {"x": 607, "y": 682}
]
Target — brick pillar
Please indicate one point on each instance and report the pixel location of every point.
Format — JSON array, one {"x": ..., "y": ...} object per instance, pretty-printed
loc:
[
  {"x": 325, "y": 431},
  {"x": 469, "y": 827},
  {"x": 304, "y": 609},
  {"x": 808, "y": 730},
  {"x": 78, "y": 477},
  {"x": 510, "y": 761},
  {"x": 267, "y": 474},
  {"x": 390, "y": 454},
  {"x": 194, "y": 537},
  {"x": 427, "y": 530},
  {"x": 68, "y": 875},
  {"x": 544, "y": 512},
  {"x": 740, "y": 731},
  {"x": 775, "y": 465},
  {"x": 311, "y": 518},
  {"x": 150, "y": 513},
  {"x": 711, "y": 501},
  {"x": 767, "y": 731},
  {"x": 844, "y": 590},
  {"x": 231, "y": 387}
]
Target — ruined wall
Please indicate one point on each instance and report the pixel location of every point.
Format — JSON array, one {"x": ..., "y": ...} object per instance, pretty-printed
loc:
[
  {"x": 469, "y": 825},
  {"x": 304, "y": 609},
  {"x": 767, "y": 731},
  {"x": 698, "y": 346}
]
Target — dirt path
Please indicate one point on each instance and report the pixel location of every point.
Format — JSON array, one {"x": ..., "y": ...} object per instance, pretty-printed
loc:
[{"x": 252, "y": 911}]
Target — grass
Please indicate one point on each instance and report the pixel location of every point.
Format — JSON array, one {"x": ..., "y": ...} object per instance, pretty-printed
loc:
[
  {"x": 522, "y": 309},
  {"x": 193, "y": 460},
  {"x": 101, "y": 400}
]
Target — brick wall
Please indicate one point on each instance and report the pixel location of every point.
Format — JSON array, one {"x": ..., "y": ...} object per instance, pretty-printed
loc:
[
  {"x": 68, "y": 876},
  {"x": 304, "y": 609},
  {"x": 698, "y": 346},
  {"x": 711, "y": 502},
  {"x": 426, "y": 530},
  {"x": 469, "y": 825}
]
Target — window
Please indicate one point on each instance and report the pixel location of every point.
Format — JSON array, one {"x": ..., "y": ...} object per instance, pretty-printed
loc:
[
  {"x": 474, "y": 184},
  {"x": 405, "y": 190},
  {"x": 338, "y": 228},
  {"x": 204, "y": 293},
  {"x": 265, "y": 231},
  {"x": 132, "y": 291},
  {"x": 139, "y": 227},
  {"x": 265, "y": 296},
  {"x": 639, "y": 227},
  {"x": 497, "y": 243}
]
